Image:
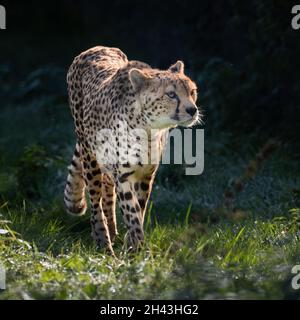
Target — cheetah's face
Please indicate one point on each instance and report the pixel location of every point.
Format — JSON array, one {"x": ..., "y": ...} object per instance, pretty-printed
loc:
[{"x": 168, "y": 98}]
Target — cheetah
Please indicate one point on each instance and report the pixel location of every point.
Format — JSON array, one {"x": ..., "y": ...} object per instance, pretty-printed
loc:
[{"x": 105, "y": 89}]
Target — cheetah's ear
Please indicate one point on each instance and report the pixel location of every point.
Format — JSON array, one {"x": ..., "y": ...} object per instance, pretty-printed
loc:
[
  {"x": 137, "y": 78},
  {"x": 178, "y": 67}
]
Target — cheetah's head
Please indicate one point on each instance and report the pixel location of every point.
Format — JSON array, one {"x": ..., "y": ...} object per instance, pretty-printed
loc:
[{"x": 167, "y": 98}]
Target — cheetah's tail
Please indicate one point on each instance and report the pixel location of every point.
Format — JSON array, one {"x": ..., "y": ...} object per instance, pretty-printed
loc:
[{"x": 74, "y": 195}]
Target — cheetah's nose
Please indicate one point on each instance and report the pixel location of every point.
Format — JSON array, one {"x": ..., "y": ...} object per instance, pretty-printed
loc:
[{"x": 191, "y": 110}]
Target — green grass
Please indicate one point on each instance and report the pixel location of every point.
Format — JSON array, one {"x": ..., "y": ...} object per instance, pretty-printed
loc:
[
  {"x": 52, "y": 259},
  {"x": 195, "y": 248}
]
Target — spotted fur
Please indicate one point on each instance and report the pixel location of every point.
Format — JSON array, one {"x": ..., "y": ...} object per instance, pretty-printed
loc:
[{"x": 105, "y": 88}]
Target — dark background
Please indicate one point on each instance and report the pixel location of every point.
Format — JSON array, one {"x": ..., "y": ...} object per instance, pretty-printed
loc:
[{"x": 244, "y": 55}]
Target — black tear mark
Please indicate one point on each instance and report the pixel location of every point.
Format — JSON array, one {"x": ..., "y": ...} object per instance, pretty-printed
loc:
[
  {"x": 178, "y": 104},
  {"x": 124, "y": 176}
]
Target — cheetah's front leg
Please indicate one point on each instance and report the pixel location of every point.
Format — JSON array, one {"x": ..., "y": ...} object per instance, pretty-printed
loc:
[
  {"x": 108, "y": 205},
  {"x": 99, "y": 223},
  {"x": 131, "y": 212}
]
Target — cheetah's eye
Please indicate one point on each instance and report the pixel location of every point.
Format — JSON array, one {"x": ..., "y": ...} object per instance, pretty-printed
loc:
[
  {"x": 193, "y": 92},
  {"x": 171, "y": 94}
]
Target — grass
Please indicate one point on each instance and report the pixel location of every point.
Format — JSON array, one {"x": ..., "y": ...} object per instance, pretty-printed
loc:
[
  {"x": 249, "y": 259},
  {"x": 196, "y": 246}
]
